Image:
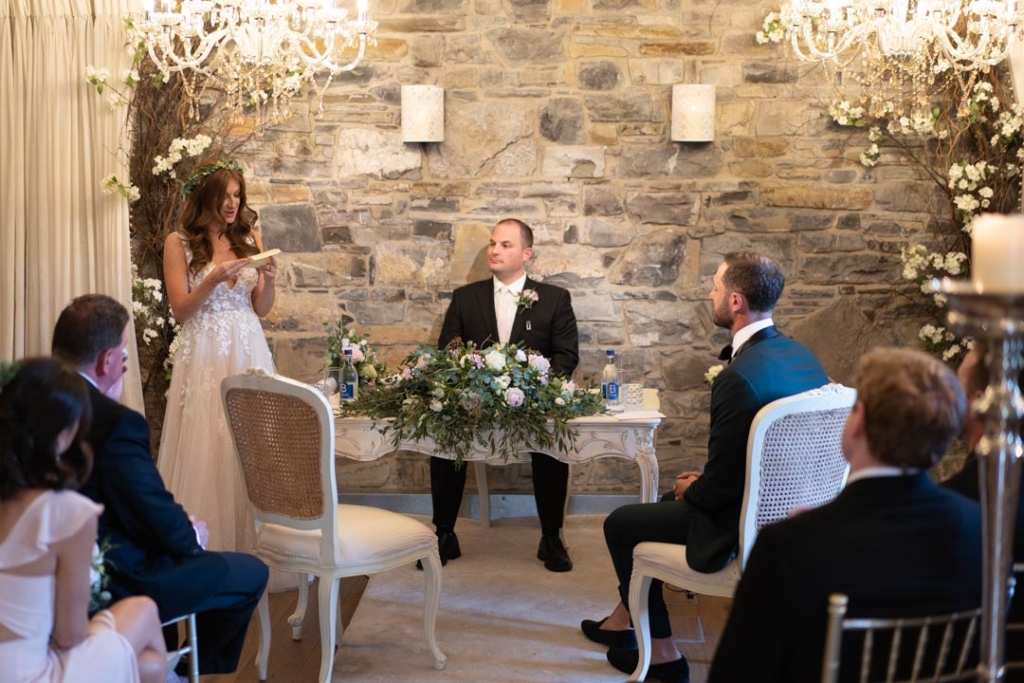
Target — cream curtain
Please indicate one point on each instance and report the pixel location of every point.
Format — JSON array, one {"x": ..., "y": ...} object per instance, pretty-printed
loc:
[{"x": 60, "y": 236}]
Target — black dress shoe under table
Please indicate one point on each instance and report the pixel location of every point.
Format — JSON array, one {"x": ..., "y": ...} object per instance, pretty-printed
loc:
[
  {"x": 667, "y": 672},
  {"x": 553, "y": 554},
  {"x": 592, "y": 629}
]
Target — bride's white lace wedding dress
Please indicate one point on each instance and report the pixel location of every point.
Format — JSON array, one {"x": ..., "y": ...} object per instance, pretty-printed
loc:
[{"x": 197, "y": 459}]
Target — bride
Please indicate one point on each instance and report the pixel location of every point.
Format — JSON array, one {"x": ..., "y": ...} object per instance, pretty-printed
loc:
[{"x": 217, "y": 297}]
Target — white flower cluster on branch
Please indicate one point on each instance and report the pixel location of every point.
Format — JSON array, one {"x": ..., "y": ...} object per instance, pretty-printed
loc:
[
  {"x": 960, "y": 128},
  {"x": 920, "y": 265},
  {"x": 180, "y": 148},
  {"x": 147, "y": 295}
]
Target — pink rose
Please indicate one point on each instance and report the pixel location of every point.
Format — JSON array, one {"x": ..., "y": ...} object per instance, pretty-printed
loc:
[
  {"x": 540, "y": 362},
  {"x": 515, "y": 397}
]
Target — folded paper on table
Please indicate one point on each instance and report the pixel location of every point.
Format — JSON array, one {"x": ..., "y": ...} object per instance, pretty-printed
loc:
[{"x": 260, "y": 260}]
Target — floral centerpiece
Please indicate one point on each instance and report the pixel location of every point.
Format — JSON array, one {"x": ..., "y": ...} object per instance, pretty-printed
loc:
[
  {"x": 364, "y": 355},
  {"x": 500, "y": 398}
]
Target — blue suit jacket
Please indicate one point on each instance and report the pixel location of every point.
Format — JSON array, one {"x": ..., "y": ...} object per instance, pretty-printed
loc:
[
  {"x": 897, "y": 546},
  {"x": 153, "y": 546},
  {"x": 769, "y": 366}
]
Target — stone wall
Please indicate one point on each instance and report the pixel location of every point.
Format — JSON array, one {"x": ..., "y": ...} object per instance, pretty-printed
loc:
[{"x": 557, "y": 112}]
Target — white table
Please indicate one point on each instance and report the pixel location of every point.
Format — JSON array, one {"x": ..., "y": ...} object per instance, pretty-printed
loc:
[{"x": 629, "y": 435}]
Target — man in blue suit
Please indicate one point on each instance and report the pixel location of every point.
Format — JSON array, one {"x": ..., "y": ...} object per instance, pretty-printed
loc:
[
  {"x": 704, "y": 512},
  {"x": 489, "y": 312},
  {"x": 895, "y": 543},
  {"x": 154, "y": 548}
]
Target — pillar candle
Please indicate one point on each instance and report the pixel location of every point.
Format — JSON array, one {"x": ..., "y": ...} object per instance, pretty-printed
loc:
[{"x": 997, "y": 254}]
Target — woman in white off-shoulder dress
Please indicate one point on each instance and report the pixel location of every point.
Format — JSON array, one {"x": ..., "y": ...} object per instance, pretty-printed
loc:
[
  {"x": 218, "y": 297},
  {"x": 47, "y": 536}
]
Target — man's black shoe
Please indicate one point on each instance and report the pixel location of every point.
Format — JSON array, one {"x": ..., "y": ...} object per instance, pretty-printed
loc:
[
  {"x": 553, "y": 554},
  {"x": 447, "y": 546},
  {"x": 667, "y": 672},
  {"x": 592, "y": 630}
]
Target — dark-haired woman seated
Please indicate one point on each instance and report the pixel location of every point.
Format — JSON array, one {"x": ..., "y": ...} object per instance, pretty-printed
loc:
[{"x": 47, "y": 535}]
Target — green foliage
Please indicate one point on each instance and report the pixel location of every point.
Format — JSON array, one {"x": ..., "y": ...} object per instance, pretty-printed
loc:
[
  {"x": 364, "y": 355},
  {"x": 502, "y": 398}
]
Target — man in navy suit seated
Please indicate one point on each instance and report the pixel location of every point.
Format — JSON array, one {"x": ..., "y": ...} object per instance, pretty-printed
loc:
[
  {"x": 704, "y": 511},
  {"x": 895, "y": 543},
  {"x": 155, "y": 549}
]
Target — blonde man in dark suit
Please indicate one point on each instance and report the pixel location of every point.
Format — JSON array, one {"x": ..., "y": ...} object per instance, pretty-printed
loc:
[{"x": 486, "y": 313}]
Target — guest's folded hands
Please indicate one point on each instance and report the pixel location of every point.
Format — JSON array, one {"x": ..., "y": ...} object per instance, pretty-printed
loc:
[{"x": 683, "y": 482}]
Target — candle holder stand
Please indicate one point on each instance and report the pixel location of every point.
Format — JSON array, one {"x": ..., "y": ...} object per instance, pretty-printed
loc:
[{"x": 999, "y": 319}]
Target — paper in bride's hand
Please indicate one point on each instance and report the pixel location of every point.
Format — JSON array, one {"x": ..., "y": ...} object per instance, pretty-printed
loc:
[{"x": 261, "y": 259}]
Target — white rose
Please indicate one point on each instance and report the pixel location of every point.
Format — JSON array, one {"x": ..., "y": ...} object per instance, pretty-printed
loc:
[{"x": 495, "y": 360}]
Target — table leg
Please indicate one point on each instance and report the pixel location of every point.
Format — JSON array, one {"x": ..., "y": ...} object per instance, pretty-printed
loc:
[{"x": 482, "y": 492}]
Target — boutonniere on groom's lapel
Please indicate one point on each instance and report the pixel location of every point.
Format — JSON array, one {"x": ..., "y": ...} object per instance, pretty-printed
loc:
[{"x": 526, "y": 299}]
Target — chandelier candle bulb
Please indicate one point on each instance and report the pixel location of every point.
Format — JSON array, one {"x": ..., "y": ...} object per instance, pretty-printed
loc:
[{"x": 997, "y": 254}]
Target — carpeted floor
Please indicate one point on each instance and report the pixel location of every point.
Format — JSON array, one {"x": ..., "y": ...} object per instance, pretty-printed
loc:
[{"x": 503, "y": 617}]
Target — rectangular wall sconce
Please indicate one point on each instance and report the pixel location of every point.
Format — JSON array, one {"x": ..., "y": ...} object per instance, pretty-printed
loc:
[
  {"x": 693, "y": 112},
  {"x": 422, "y": 113}
]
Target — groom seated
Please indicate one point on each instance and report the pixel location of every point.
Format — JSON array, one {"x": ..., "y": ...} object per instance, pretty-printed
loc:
[{"x": 154, "y": 548}]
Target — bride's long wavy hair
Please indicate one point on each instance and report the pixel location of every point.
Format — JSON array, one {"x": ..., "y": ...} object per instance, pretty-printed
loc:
[{"x": 204, "y": 207}]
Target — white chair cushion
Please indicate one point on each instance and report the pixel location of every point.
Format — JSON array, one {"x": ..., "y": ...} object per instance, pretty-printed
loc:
[
  {"x": 366, "y": 536},
  {"x": 667, "y": 561}
]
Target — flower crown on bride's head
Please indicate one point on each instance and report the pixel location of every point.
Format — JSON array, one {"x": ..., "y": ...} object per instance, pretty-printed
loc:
[{"x": 199, "y": 174}]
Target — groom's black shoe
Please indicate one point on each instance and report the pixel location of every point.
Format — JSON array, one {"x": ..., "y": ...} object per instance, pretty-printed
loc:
[
  {"x": 592, "y": 629},
  {"x": 447, "y": 546},
  {"x": 666, "y": 672},
  {"x": 553, "y": 554}
]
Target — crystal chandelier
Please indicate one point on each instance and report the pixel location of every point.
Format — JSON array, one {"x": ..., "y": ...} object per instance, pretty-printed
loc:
[
  {"x": 260, "y": 53},
  {"x": 896, "y": 49},
  {"x": 968, "y": 33}
]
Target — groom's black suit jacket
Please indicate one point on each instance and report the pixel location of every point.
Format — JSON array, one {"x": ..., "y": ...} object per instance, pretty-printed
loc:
[
  {"x": 153, "y": 546},
  {"x": 897, "y": 546},
  {"x": 769, "y": 366},
  {"x": 548, "y": 326}
]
